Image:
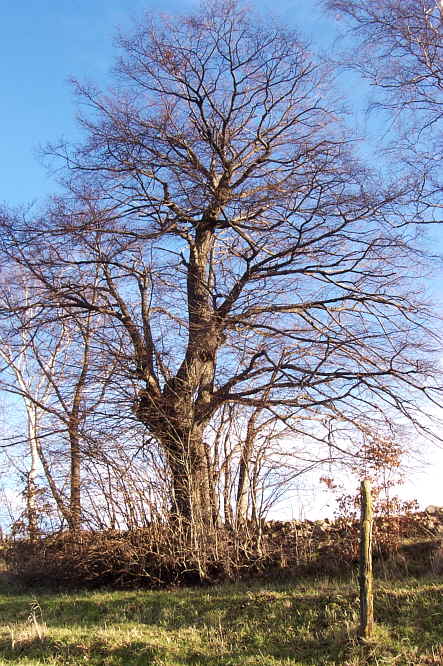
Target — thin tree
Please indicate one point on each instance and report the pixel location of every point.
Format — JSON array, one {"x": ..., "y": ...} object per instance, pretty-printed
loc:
[{"x": 46, "y": 364}]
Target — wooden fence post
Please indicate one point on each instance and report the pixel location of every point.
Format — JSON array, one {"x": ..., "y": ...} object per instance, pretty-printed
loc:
[{"x": 365, "y": 578}]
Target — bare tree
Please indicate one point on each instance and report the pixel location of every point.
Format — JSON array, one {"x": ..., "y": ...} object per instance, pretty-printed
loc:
[
  {"x": 402, "y": 50},
  {"x": 46, "y": 364},
  {"x": 241, "y": 254},
  {"x": 401, "y": 54}
]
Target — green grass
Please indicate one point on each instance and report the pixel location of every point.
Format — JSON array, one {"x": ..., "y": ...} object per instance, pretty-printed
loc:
[{"x": 300, "y": 622}]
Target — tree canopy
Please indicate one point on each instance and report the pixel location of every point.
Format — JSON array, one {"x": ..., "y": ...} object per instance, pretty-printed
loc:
[{"x": 218, "y": 224}]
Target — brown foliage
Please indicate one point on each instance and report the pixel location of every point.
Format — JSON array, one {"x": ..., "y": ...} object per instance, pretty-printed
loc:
[
  {"x": 156, "y": 556},
  {"x": 163, "y": 555}
]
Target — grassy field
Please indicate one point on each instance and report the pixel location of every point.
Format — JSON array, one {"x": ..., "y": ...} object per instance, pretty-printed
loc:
[{"x": 297, "y": 622}]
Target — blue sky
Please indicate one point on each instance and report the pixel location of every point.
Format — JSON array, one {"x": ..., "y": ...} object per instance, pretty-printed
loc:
[{"x": 43, "y": 43}]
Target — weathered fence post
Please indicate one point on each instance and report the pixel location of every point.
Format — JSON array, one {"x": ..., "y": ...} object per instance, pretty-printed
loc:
[{"x": 366, "y": 594}]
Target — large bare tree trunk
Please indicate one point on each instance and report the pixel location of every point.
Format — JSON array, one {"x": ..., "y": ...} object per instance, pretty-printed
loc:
[
  {"x": 177, "y": 416},
  {"x": 191, "y": 481}
]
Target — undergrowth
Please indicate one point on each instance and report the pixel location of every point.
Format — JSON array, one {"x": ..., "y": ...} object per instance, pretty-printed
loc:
[{"x": 165, "y": 554}]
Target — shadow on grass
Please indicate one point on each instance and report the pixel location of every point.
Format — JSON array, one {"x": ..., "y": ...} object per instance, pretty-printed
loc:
[
  {"x": 413, "y": 612},
  {"x": 139, "y": 653},
  {"x": 96, "y": 653},
  {"x": 232, "y": 625}
]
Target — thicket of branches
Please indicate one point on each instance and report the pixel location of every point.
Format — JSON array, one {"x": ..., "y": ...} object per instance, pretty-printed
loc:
[
  {"x": 222, "y": 289},
  {"x": 400, "y": 54}
]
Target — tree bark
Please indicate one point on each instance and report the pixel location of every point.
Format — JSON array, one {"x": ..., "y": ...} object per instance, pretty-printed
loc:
[
  {"x": 244, "y": 481},
  {"x": 75, "y": 494},
  {"x": 192, "y": 499},
  {"x": 74, "y": 436},
  {"x": 31, "y": 486}
]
